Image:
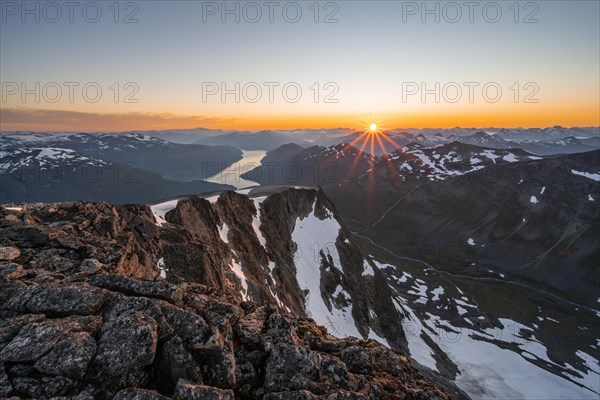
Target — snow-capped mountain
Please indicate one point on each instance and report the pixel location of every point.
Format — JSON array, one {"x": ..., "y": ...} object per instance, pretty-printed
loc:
[
  {"x": 58, "y": 167},
  {"x": 46, "y": 158},
  {"x": 452, "y": 159},
  {"x": 330, "y": 165},
  {"x": 547, "y": 141},
  {"x": 136, "y": 149}
]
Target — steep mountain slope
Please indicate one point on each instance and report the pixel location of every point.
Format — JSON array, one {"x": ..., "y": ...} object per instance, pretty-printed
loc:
[
  {"x": 344, "y": 163},
  {"x": 537, "y": 219},
  {"x": 312, "y": 166},
  {"x": 496, "y": 338},
  {"x": 286, "y": 248},
  {"x": 197, "y": 298}
]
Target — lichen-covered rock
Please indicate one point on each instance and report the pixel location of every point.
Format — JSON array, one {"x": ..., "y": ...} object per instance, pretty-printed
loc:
[
  {"x": 9, "y": 253},
  {"x": 160, "y": 290},
  {"x": 138, "y": 394},
  {"x": 58, "y": 300},
  {"x": 176, "y": 362},
  {"x": 126, "y": 343},
  {"x": 292, "y": 395},
  {"x": 292, "y": 367},
  {"x": 10, "y": 327},
  {"x": 358, "y": 359},
  {"x": 189, "y": 326},
  {"x": 188, "y": 391},
  {"x": 251, "y": 326},
  {"x": 69, "y": 357},
  {"x": 5, "y": 385},
  {"x": 11, "y": 271},
  {"x": 346, "y": 395},
  {"x": 89, "y": 266},
  {"x": 32, "y": 342}
]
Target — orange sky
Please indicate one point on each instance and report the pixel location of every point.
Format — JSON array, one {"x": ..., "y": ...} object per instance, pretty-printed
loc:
[
  {"x": 61, "y": 120},
  {"x": 170, "y": 69}
]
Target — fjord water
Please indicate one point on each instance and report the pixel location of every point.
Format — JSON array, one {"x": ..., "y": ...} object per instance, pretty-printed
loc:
[{"x": 232, "y": 175}]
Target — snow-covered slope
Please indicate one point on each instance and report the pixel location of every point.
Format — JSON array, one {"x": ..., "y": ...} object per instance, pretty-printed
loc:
[
  {"x": 452, "y": 159},
  {"x": 495, "y": 357}
]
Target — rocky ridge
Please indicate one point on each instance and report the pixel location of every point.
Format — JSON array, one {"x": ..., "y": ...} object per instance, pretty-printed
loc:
[{"x": 86, "y": 313}]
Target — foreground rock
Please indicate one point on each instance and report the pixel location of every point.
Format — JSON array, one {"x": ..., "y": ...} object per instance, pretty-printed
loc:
[{"x": 85, "y": 315}]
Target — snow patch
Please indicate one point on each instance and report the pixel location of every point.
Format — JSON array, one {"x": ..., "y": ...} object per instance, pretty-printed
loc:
[
  {"x": 376, "y": 337},
  {"x": 589, "y": 175},
  {"x": 256, "y": 220},
  {"x": 161, "y": 266},
  {"x": 491, "y": 155},
  {"x": 237, "y": 270},
  {"x": 533, "y": 200},
  {"x": 224, "y": 232},
  {"x": 437, "y": 292},
  {"x": 161, "y": 209},
  {"x": 368, "y": 269}
]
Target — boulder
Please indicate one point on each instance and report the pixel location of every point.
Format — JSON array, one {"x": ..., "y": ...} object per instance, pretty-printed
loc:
[
  {"x": 176, "y": 362},
  {"x": 69, "y": 357},
  {"x": 32, "y": 342},
  {"x": 126, "y": 343}
]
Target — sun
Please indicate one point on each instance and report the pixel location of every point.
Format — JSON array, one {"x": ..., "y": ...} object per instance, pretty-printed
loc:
[{"x": 373, "y": 127}]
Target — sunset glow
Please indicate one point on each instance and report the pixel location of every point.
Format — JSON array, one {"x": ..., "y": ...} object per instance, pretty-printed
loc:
[{"x": 467, "y": 74}]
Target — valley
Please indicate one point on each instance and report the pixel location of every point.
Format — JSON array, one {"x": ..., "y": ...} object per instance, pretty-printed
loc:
[{"x": 488, "y": 326}]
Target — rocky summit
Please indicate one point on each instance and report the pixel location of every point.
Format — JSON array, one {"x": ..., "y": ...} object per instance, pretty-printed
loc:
[{"x": 197, "y": 299}]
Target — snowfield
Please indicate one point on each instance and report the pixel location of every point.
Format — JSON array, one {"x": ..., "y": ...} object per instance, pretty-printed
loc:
[{"x": 308, "y": 233}]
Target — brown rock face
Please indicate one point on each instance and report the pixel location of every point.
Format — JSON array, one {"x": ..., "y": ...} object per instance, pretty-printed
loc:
[{"x": 85, "y": 315}]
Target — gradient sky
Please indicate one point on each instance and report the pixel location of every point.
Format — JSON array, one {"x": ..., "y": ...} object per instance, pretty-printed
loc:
[{"x": 369, "y": 54}]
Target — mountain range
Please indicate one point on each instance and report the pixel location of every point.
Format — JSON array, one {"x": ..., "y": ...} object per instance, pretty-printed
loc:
[
  {"x": 470, "y": 255},
  {"x": 124, "y": 168}
]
